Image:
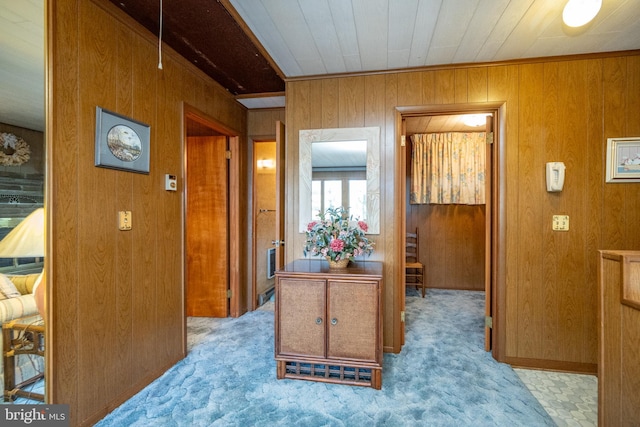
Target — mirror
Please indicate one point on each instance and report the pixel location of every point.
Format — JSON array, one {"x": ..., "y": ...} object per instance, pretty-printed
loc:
[
  {"x": 346, "y": 139},
  {"x": 22, "y": 188}
]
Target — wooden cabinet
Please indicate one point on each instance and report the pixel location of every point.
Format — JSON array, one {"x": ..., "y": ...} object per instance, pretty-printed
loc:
[
  {"x": 619, "y": 338},
  {"x": 328, "y": 323}
]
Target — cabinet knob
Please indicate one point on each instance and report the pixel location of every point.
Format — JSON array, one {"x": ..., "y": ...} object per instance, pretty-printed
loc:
[
  {"x": 319, "y": 321},
  {"x": 334, "y": 321}
]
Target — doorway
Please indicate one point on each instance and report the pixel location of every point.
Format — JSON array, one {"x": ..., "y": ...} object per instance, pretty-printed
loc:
[
  {"x": 264, "y": 221},
  {"x": 268, "y": 213},
  {"x": 483, "y": 220},
  {"x": 211, "y": 218}
]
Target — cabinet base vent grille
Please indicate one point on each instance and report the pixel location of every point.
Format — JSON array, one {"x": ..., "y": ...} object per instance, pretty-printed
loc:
[{"x": 329, "y": 373}]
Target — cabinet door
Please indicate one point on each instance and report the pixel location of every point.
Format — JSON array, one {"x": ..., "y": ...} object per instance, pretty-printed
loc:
[
  {"x": 353, "y": 320},
  {"x": 301, "y": 317}
]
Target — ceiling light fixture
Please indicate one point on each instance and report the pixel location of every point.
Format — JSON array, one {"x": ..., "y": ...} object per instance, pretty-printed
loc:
[
  {"x": 577, "y": 13},
  {"x": 474, "y": 120}
]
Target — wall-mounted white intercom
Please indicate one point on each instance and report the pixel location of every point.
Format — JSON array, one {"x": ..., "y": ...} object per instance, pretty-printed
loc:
[{"x": 555, "y": 176}]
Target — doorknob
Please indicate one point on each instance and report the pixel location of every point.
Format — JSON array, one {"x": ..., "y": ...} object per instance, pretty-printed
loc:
[{"x": 277, "y": 243}]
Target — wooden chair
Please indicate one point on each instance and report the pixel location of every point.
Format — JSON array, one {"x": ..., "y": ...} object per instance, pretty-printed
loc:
[{"x": 414, "y": 271}]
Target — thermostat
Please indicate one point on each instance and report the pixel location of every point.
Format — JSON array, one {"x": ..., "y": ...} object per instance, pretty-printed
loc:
[{"x": 170, "y": 182}]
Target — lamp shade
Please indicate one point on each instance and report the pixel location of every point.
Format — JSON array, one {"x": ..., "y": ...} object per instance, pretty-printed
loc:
[{"x": 27, "y": 239}]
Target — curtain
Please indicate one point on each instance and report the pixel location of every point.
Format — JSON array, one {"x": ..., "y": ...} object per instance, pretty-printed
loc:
[{"x": 448, "y": 168}]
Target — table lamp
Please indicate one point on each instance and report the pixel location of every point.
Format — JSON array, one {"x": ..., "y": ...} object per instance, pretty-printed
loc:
[{"x": 27, "y": 239}]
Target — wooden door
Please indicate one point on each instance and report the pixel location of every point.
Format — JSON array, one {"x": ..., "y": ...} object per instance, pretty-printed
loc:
[
  {"x": 280, "y": 185},
  {"x": 207, "y": 241},
  {"x": 352, "y": 320},
  {"x": 300, "y": 317}
]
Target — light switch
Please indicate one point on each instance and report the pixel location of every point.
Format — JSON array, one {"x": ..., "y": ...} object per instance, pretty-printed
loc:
[
  {"x": 560, "y": 223},
  {"x": 124, "y": 220}
]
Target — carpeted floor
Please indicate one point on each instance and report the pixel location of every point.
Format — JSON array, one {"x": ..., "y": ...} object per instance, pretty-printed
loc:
[{"x": 442, "y": 377}]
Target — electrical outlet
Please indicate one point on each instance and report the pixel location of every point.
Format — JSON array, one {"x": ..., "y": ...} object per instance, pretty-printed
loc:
[{"x": 560, "y": 223}]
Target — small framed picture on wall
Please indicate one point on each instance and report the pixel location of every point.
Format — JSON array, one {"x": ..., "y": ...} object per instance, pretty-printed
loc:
[
  {"x": 121, "y": 143},
  {"x": 623, "y": 160}
]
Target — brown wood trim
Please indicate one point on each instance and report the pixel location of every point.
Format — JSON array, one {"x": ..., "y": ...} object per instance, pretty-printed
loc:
[
  {"x": 488, "y": 230},
  {"x": 552, "y": 365},
  {"x": 498, "y": 255},
  {"x": 254, "y": 236},
  {"x": 263, "y": 95},
  {"x": 629, "y": 286},
  {"x": 236, "y": 306},
  {"x": 401, "y": 226},
  {"x": 49, "y": 267},
  {"x": 498, "y": 231},
  {"x": 281, "y": 187},
  {"x": 446, "y": 109},
  {"x": 466, "y": 65},
  {"x": 197, "y": 115}
]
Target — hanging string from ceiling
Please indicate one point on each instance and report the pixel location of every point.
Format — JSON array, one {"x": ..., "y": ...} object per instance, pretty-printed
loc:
[{"x": 160, "y": 40}]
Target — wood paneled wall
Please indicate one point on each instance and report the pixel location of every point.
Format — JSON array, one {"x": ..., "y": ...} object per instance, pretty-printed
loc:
[
  {"x": 555, "y": 110},
  {"x": 451, "y": 238},
  {"x": 116, "y": 318},
  {"x": 451, "y": 244},
  {"x": 261, "y": 124}
]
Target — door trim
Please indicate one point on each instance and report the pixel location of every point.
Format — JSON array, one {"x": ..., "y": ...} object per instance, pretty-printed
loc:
[
  {"x": 498, "y": 215},
  {"x": 233, "y": 220}
]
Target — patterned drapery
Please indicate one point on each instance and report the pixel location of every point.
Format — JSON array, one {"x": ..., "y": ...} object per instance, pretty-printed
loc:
[{"x": 448, "y": 168}]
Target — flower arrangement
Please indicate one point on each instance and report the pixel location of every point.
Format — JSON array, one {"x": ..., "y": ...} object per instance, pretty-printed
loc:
[{"x": 337, "y": 236}]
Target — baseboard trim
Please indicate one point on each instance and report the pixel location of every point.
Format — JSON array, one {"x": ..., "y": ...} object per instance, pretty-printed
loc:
[
  {"x": 552, "y": 365},
  {"x": 389, "y": 349}
]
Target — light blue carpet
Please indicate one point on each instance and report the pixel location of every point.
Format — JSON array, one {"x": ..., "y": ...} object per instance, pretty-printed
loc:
[{"x": 442, "y": 377}]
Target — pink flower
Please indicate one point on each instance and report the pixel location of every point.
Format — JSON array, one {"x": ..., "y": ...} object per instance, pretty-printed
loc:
[
  {"x": 363, "y": 225},
  {"x": 336, "y": 245},
  {"x": 311, "y": 225}
]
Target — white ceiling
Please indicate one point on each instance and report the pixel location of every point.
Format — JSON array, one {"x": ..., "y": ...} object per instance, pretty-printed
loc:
[
  {"x": 319, "y": 37},
  {"x": 22, "y": 63}
]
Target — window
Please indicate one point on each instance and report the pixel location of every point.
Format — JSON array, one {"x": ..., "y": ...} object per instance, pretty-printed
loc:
[
  {"x": 333, "y": 193},
  {"x": 358, "y": 198}
]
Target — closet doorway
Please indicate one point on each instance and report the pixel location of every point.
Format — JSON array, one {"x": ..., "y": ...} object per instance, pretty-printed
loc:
[
  {"x": 458, "y": 243},
  {"x": 211, "y": 218}
]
